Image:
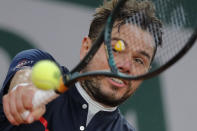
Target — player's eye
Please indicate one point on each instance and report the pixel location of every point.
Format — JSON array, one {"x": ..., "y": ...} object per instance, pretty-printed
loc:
[
  {"x": 119, "y": 46},
  {"x": 139, "y": 61}
]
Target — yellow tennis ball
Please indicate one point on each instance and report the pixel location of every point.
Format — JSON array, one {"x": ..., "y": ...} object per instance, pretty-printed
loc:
[
  {"x": 46, "y": 75},
  {"x": 119, "y": 46}
]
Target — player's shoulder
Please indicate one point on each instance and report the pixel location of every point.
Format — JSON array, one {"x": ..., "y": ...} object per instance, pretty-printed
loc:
[
  {"x": 123, "y": 124},
  {"x": 25, "y": 58},
  {"x": 34, "y": 53}
]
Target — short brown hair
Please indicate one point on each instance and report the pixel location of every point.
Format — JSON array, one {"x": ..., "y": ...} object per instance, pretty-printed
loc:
[{"x": 130, "y": 9}]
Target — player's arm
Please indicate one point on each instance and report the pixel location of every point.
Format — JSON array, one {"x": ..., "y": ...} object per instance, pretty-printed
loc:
[
  {"x": 19, "y": 99},
  {"x": 18, "y": 89}
]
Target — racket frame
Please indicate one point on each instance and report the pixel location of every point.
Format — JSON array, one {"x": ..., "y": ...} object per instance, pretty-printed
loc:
[{"x": 105, "y": 36}]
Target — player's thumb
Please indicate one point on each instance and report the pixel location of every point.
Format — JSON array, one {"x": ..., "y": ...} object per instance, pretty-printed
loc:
[{"x": 36, "y": 114}]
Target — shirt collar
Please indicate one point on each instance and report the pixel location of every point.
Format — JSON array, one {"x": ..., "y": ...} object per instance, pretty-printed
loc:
[{"x": 94, "y": 105}]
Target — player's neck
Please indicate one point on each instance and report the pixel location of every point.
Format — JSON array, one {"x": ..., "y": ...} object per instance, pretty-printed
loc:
[{"x": 86, "y": 91}]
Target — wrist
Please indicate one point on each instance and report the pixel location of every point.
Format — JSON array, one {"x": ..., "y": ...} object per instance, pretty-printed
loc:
[{"x": 19, "y": 85}]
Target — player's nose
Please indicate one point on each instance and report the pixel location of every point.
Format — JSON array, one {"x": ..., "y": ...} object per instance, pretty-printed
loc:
[{"x": 125, "y": 66}]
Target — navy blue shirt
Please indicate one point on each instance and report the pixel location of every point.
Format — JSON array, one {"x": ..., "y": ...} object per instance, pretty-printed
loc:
[{"x": 64, "y": 113}]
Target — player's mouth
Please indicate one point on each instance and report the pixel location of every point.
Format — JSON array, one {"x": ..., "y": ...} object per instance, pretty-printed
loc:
[{"x": 117, "y": 82}]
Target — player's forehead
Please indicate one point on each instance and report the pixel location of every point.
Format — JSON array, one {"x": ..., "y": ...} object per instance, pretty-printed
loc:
[{"x": 134, "y": 36}]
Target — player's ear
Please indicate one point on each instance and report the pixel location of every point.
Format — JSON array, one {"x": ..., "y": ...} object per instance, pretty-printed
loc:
[{"x": 85, "y": 46}]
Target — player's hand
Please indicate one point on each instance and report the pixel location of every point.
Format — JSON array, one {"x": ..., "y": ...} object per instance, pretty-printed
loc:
[{"x": 17, "y": 101}]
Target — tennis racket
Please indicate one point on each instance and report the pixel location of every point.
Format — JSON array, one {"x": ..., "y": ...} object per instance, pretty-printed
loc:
[
  {"x": 174, "y": 33},
  {"x": 149, "y": 43}
]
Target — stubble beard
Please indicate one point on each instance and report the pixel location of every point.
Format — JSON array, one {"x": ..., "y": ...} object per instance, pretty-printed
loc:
[{"x": 92, "y": 87}]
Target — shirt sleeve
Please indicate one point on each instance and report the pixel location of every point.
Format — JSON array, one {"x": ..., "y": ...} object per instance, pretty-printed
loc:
[{"x": 21, "y": 60}]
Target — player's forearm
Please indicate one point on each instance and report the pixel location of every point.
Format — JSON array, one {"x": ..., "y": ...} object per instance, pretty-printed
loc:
[{"x": 17, "y": 103}]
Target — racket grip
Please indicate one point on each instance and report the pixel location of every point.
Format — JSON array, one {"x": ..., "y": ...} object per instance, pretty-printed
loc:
[{"x": 41, "y": 97}]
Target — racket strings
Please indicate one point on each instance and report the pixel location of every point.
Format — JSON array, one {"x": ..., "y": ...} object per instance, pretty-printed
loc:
[
  {"x": 133, "y": 35},
  {"x": 174, "y": 35}
]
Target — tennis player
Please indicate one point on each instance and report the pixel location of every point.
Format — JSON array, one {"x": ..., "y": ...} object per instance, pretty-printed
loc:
[{"x": 91, "y": 104}]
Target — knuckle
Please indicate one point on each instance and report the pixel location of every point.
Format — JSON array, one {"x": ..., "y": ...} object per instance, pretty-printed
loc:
[
  {"x": 6, "y": 113},
  {"x": 27, "y": 101},
  {"x": 5, "y": 99},
  {"x": 11, "y": 93},
  {"x": 17, "y": 118},
  {"x": 6, "y": 110},
  {"x": 23, "y": 96},
  {"x": 20, "y": 121},
  {"x": 18, "y": 89},
  {"x": 20, "y": 108},
  {"x": 28, "y": 105},
  {"x": 13, "y": 112},
  {"x": 11, "y": 120},
  {"x": 26, "y": 94}
]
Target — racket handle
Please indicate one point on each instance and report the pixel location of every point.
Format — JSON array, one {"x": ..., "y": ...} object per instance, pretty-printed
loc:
[{"x": 41, "y": 97}]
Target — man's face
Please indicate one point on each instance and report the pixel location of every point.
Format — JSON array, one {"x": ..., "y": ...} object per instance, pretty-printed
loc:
[{"x": 134, "y": 60}]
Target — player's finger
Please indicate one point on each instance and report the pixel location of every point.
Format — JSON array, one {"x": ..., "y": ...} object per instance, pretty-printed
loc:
[
  {"x": 19, "y": 104},
  {"x": 27, "y": 104},
  {"x": 38, "y": 112},
  {"x": 27, "y": 99},
  {"x": 6, "y": 108},
  {"x": 13, "y": 110}
]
